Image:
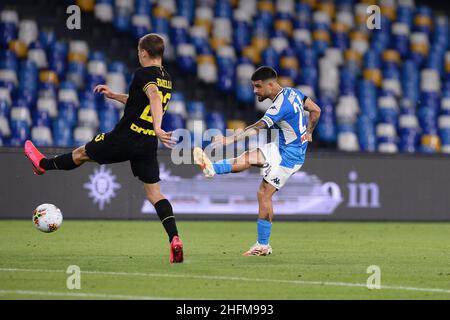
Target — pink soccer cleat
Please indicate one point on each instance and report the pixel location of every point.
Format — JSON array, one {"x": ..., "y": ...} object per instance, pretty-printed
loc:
[
  {"x": 176, "y": 250},
  {"x": 33, "y": 154}
]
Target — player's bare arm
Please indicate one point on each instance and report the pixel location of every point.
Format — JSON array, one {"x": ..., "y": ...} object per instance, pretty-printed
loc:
[
  {"x": 248, "y": 132},
  {"x": 314, "y": 115},
  {"x": 104, "y": 89},
  {"x": 156, "y": 110}
]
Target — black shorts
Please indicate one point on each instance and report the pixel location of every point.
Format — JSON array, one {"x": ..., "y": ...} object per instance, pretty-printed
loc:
[{"x": 140, "y": 150}]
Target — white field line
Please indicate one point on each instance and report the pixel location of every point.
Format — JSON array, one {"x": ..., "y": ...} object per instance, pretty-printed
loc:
[
  {"x": 228, "y": 278},
  {"x": 81, "y": 295}
]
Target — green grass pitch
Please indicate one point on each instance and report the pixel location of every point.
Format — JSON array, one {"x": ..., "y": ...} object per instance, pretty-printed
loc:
[{"x": 311, "y": 260}]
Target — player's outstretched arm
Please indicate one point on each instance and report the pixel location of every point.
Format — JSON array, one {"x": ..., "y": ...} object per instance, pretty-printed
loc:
[
  {"x": 104, "y": 89},
  {"x": 156, "y": 110},
  {"x": 248, "y": 132},
  {"x": 314, "y": 115}
]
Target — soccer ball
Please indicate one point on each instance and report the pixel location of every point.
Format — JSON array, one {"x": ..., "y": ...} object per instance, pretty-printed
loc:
[{"x": 47, "y": 218}]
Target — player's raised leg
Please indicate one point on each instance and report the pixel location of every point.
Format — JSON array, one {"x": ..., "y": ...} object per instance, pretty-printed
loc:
[
  {"x": 67, "y": 161},
  {"x": 264, "y": 222},
  {"x": 241, "y": 163},
  {"x": 165, "y": 213}
]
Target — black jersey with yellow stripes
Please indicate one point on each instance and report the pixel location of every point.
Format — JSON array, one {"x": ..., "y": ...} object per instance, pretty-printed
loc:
[{"x": 137, "y": 116}]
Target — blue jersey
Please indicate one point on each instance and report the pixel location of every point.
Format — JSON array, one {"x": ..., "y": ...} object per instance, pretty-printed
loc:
[{"x": 287, "y": 114}]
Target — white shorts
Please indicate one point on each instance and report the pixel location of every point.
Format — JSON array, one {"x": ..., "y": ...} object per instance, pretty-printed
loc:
[{"x": 273, "y": 172}]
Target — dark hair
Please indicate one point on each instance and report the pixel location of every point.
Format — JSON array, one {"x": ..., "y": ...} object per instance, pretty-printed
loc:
[
  {"x": 153, "y": 44},
  {"x": 264, "y": 73}
]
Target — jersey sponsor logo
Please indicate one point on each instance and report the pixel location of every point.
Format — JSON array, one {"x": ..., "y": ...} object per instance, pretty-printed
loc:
[{"x": 141, "y": 130}]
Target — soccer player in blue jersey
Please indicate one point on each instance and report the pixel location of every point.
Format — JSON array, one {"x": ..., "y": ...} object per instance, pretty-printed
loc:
[{"x": 278, "y": 160}]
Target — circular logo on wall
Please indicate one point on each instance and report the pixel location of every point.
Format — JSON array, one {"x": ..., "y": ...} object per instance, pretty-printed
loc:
[{"x": 102, "y": 186}]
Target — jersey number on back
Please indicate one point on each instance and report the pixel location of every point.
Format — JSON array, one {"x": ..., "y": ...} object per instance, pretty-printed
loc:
[
  {"x": 146, "y": 116},
  {"x": 297, "y": 108}
]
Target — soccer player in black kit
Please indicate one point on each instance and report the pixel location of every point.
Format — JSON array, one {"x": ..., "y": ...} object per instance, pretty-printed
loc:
[{"x": 134, "y": 138}]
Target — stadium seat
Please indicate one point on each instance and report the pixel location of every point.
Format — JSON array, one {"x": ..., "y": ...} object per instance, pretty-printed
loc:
[
  {"x": 444, "y": 132},
  {"x": 408, "y": 132},
  {"x": 216, "y": 120},
  {"x": 186, "y": 57},
  {"x": 5, "y": 130},
  {"x": 41, "y": 118},
  {"x": 20, "y": 132},
  {"x": 37, "y": 54},
  {"x": 347, "y": 141},
  {"x": 243, "y": 84},
  {"x": 21, "y": 113},
  {"x": 62, "y": 133},
  {"x": 88, "y": 118},
  {"x": 104, "y": 10},
  {"x": 5, "y": 97},
  {"x": 82, "y": 135},
  {"x": 9, "y": 21},
  {"x": 28, "y": 31},
  {"x": 108, "y": 117},
  {"x": 206, "y": 68},
  {"x": 387, "y": 109},
  {"x": 387, "y": 138},
  {"x": 326, "y": 128},
  {"x": 362, "y": 80},
  {"x": 41, "y": 136},
  {"x": 347, "y": 109},
  {"x": 9, "y": 79}
]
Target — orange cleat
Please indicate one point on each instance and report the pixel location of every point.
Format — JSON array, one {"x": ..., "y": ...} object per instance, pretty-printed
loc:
[
  {"x": 33, "y": 154},
  {"x": 176, "y": 250}
]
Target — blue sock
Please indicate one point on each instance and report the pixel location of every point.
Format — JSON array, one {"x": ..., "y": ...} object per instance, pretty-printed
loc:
[
  {"x": 222, "y": 167},
  {"x": 264, "y": 227}
]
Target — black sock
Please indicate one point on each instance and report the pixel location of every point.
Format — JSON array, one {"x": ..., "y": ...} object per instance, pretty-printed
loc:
[
  {"x": 61, "y": 162},
  {"x": 164, "y": 210}
]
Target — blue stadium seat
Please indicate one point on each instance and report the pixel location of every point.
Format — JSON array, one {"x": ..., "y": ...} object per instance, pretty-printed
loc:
[
  {"x": 244, "y": 89},
  {"x": 108, "y": 117},
  {"x": 41, "y": 118},
  {"x": 20, "y": 132},
  {"x": 222, "y": 42},
  {"x": 366, "y": 134},
  {"x": 48, "y": 39},
  {"x": 216, "y": 120},
  {"x": 76, "y": 72},
  {"x": 62, "y": 133},
  {"x": 57, "y": 58},
  {"x": 186, "y": 8},
  {"x": 8, "y": 60},
  {"x": 68, "y": 112},
  {"x": 326, "y": 128},
  {"x": 4, "y": 108},
  {"x": 8, "y": 32},
  {"x": 173, "y": 121}
]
